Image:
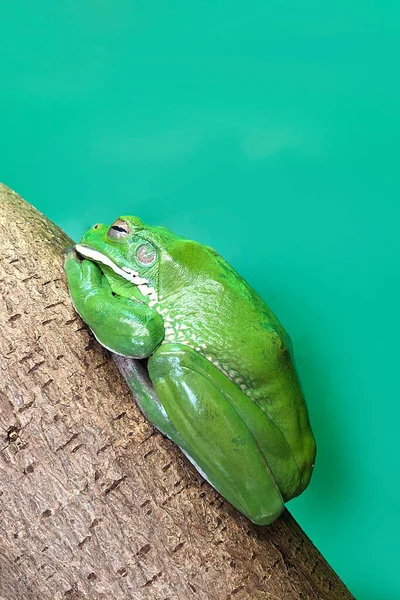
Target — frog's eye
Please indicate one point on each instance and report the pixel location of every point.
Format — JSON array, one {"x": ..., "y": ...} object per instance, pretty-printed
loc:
[
  {"x": 146, "y": 254},
  {"x": 118, "y": 230}
]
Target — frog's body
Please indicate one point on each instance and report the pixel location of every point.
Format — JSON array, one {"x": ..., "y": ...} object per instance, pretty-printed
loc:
[{"x": 226, "y": 390}]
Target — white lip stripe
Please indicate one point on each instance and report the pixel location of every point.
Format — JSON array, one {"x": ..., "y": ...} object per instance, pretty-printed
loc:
[
  {"x": 139, "y": 280},
  {"x": 125, "y": 273},
  {"x": 130, "y": 271},
  {"x": 144, "y": 290},
  {"x": 95, "y": 255},
  {"x": 98, "y": 256}
]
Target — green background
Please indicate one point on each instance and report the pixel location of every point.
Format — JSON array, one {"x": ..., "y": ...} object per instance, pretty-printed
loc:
[{"x": 269, "y": 130}]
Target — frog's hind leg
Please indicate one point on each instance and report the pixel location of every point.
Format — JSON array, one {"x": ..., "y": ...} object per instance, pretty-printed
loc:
[
  {"x": 136, "y": 375},
  {"x": 195, "y": 396}
]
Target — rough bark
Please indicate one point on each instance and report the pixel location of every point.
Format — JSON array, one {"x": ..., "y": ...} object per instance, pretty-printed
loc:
[{"x": 94, "y": 503}]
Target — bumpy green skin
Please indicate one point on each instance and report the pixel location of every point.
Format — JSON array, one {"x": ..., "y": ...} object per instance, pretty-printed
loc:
[{"x": 220, "y": 378}]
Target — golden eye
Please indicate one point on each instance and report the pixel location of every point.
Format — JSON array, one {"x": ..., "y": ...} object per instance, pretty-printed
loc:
[
  {"x": 119, "y": 229},
  {"x": 146, "y": 254}
]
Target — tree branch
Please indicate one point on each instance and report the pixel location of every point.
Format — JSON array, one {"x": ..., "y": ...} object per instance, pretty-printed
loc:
[{"x": 94, "y": 502}]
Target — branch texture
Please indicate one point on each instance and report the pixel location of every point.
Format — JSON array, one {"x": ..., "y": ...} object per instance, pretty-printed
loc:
[{"x": 94, "y": 503}]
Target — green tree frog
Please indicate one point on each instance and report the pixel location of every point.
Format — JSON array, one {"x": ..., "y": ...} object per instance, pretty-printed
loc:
[{"x": 209, "y": 363}]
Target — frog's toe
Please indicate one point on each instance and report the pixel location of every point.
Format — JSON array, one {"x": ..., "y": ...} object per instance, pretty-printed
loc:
[{"x": 70, "y": 253}]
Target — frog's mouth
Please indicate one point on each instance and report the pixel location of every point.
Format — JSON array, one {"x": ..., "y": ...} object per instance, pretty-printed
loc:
[{"x": 124, "y": 272}]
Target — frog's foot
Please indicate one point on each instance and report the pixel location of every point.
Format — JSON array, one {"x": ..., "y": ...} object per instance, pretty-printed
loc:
[
  {"x": 137, "y": 377},
  {"x": 69, "y": 253},
  {"x": 124, "y": 326},
  {"x": 204, "y": 406}
]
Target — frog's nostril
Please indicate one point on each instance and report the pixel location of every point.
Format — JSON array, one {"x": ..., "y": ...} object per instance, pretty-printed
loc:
[{"x": 96, "y": 226}]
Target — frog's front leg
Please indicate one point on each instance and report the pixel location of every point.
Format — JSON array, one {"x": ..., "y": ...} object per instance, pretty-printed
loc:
[
  {"x": 126, "y": 327},
  {"x": 195, "y": 396}
]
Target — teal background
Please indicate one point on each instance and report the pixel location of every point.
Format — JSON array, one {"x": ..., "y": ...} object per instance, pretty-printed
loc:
[{"x": 269, "y": 130}]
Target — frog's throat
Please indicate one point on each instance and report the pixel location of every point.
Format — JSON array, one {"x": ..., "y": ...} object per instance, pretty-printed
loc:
[{"x": 124, "y": 272}]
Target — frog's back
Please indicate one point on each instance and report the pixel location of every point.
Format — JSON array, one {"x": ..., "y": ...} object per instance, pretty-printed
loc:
[{"x": 224, "y": 319}]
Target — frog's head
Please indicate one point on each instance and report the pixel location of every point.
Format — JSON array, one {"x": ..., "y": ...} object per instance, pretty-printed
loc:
[
  {"x": 141, "y": 261},
  {"x": 146, "y": 262},
  {"x": 128, "y": 253}
]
